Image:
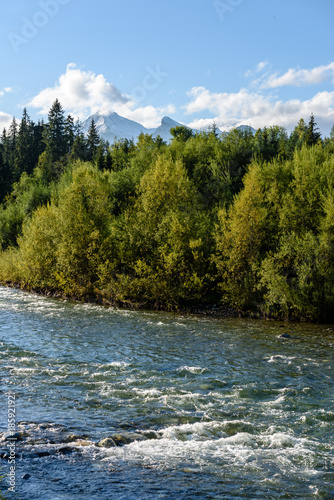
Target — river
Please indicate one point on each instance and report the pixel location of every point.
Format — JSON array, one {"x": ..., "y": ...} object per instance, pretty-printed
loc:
[{"x": 199, "y": 407}]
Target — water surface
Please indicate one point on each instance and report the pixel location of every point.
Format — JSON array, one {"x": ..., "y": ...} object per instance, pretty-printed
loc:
[{"x": 219, "y": 408}]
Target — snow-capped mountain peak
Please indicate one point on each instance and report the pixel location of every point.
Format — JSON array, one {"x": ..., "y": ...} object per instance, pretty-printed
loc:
[{"x": 114, "y": 126}]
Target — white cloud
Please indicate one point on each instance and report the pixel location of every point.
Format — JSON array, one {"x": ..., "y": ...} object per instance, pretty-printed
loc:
[
  {"x": 149, "y": 116},
  {"x": 5, "y": 90},
  {"x": 261, "y": 66},
  {"x": 301, "y": 77},
  {"x": 251, "y": 108},
  {"x": 259, "y": 69},
  {"x": 83, "y": 93},
  {"x": 5, "y": 120}
]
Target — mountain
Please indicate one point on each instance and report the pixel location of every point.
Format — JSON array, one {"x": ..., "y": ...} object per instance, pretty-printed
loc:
[
  {"x": 246, "y": 128},
  {"x": 164, "y": 129},
  {"x": 114, "y": 126}
]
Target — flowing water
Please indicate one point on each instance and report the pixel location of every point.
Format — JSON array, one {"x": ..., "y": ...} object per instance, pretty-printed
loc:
[{"x": 202, "y": 408}]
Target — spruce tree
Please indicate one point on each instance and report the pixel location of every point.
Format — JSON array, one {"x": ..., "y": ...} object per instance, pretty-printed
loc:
[
  {"x": 331, "y": 135},
  {"x": 38, "y": 143},
  {"x": 69, "y": 133},
  {"x": 3, "y": 176},
  {"x": 93, "y": 141},
  {"x": 6, "y": 177},
  {"x": 24, "y": 161},
  {"x": 100, "y": 158},
  {"x": 11, "y": 149},
  {"x": 297, "y": 137},
  {"x": 181, "y": 133},
  {"x": 55, "y": 132},
  {"x": 108, "y": 160},
  {"x": 312, "y": 133},
  {"x": 79, "y": 148}
]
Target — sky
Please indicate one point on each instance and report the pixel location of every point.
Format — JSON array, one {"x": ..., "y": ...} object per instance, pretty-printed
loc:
[{"x": 232, "y": 62}]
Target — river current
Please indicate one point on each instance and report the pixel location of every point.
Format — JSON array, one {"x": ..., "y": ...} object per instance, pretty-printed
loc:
[{"x": 198, "y": 407}]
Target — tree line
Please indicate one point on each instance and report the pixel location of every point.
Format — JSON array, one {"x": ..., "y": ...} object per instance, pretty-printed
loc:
[{"x": 240, "y": 219}]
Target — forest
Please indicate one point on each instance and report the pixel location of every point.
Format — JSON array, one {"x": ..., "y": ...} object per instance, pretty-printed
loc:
[{"x": 240, "y": 221}]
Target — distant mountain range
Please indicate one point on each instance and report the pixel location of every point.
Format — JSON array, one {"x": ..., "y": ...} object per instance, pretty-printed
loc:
[{"x": 114, "y": 126}]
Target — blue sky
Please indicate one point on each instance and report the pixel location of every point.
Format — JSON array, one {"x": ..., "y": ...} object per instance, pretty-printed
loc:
[{"x": 256, "y": 62}]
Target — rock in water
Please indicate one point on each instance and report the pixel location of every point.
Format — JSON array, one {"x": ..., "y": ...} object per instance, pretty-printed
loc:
[
  {"x": 106, "y": 443},
  {"x": 127, "y": 438}
]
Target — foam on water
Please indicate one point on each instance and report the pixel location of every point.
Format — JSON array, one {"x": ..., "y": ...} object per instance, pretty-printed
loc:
[
  {"x": 196, "y": 370},
  {"x": 117, "y": 364},
  {"x": 208, "y": 445},
  {"x": 146, "y": 392},
  {"x": 177, "y": 445},
  {"x": 281, "y": 358}
]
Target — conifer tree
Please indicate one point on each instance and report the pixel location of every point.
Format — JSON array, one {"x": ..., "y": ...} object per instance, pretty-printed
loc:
[
  {"x": 6, "y": 176},
  {"x": 93, "y": 141},
  {"x": 331, "y": 135},
  {"x": 55, "y": 132},
  {"x": 11, "y": 149},
  {"x": 312, "y": 133},
  {"x": 182, "y": 133},
  {"x": 3, "y": 176},
  {"x": 69, "y": 133},
  {"x": 213, "y": 129},
  {"x": 24, "y": 161},
  {"x": 100, "y": 158},
  {"x": 108, "y": 160},
  {"x": 297, "y": 137},
  {"x": 79, "y": 148},
  {"x": 38, "y": 144}
]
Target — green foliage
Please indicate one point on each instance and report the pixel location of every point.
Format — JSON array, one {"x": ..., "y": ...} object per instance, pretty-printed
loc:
[
  {"x": 293, "y": 285},
  {"x": 93, "y": 141},
  {"x": 54, "y": 136},
  {"x": 29, "y": 193},
  {"x": 167, "y": 238},
  {"x": 275, "y": 244},
  {"x": 121, "y": 152},
  {"x": 301, "y": 203},
  {"x": 247, "y": 220},
  {"x": 271, "y": 143},
  {"x": 63, "y": 243},
  {"x": 241, "y": 240},
  {"x": 79, "y": 148},
  {"x": 4, "y": 184},
  {"x": 181, "y": 133},
  {"x": 313, "y": 134},
  {"x": 84, "y": 214},
  {"x": 36, "y": 257}
]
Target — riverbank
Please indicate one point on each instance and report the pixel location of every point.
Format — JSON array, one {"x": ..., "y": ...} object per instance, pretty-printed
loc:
[
  {"x": 201, "y": 308},
  {"x": 205, "y": 309}
]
